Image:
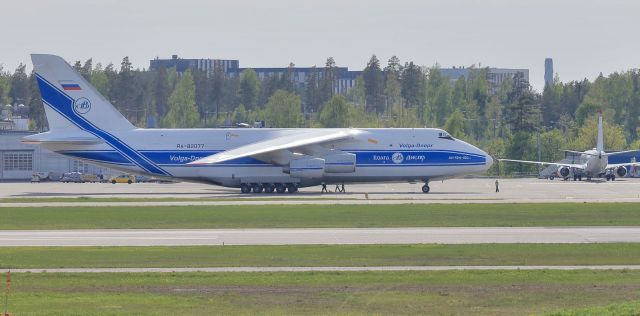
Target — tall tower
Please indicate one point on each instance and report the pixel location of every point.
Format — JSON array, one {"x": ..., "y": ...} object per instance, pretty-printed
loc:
[{"x": 548, "y": 71}]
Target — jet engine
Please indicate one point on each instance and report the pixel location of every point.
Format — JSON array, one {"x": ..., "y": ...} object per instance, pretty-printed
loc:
[
  {"x": 621, "y": 171},
  {"x": 564, "y": 172},
  {"x": 340, "y": 163},
  {"x": 306, "y": 167}
]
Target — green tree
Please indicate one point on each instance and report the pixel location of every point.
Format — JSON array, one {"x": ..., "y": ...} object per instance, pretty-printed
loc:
[
  {"x": 240, "y": 114},
  {"x": 392, "y": 88},
  {"x": 413, "y": 88},
  {"x": 524, "y": 115},
  {"x": 36, "y": 108},
  {"x": 373, "y": 86},
  {"x": 587, "y": 135},
  {"x": 5, "y": 78},
  {"x": 335, "y": 112},
  {"x": 283, "y": 110},
  {"x": 249, "y": 90},
  {"x": 438, "y": 97},
  {"x": 182, "y": 104},
  {"x": 19, "y": 87},
  {"x": 328, "y": 81},
  {"x": 312, "y": 91},
  {"x": 100, "y": 80},
  {"x": 455, "y": 124},
  {"x": 552, "y": 143}
]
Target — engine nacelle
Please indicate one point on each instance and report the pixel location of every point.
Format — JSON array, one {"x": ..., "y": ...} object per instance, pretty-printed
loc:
[
  {"x": 306, "y": 168},
  {"x": 564, "y": 172},
  {"x": 340, "y": 163},
  {"x": 621, "y": 171}
]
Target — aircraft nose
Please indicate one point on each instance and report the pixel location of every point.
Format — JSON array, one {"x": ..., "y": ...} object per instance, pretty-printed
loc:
[{"x": 489, "y": 160}]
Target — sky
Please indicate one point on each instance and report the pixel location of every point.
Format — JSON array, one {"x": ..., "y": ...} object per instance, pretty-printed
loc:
[{"x": 583, "y": 37}]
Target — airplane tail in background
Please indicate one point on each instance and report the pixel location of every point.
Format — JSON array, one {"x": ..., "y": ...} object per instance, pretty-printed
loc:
[
  {"x": 72, "y": 103},
  {"x": 600, "y": 144}
]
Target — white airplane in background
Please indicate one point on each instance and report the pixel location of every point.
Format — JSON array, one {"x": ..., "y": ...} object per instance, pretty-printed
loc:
[
  {"x": 592, "y": 163},
  {"x": 84, "y": 125}
]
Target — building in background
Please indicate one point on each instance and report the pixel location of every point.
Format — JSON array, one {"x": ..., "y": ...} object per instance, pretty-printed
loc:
[
  {"x": 206, "y": 65},
  {"x": 495, "y": 76},
  {"x": 345, "y": 79},
  {"x": 548, "y": 71},
  {"x": 18, "y": 161}
]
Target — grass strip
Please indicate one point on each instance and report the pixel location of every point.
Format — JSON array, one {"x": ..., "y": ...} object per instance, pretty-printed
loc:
[
  {"x": 319, "y": 216},
  {"x": 628, "y": 308},
  {"x": 320, "y": 255},
  {"x": 438, "y": 293}
]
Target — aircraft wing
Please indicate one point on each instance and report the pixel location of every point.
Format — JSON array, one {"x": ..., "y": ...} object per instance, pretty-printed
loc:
[
  {"x": 616, "y": 165},
  {"x": 285, "y": 142},
  {"x": 544, "y": 163},
  {"x": 622, "y": 152}
]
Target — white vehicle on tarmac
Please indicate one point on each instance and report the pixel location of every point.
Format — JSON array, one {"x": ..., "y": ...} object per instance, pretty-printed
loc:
[{"x": 84, "y": 125}]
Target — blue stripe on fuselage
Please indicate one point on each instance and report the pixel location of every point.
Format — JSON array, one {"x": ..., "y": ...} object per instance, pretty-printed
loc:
[{"x": 363, "y": 159}]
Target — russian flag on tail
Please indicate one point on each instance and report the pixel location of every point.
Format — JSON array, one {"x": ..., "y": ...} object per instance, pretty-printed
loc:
[{"x": 67, "y": 86}]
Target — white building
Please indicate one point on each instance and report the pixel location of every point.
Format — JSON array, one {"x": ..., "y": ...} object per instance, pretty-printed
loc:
[{"x": 19, "y": 161}]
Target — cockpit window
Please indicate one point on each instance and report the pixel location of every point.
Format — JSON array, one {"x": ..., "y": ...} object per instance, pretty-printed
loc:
[{"x": 445, "y": 136}]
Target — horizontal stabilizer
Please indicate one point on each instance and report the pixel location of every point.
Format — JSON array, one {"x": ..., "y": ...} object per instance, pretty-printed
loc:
[
  {"x": 56, "y": 138},
  {"x": 579, "y": 152}
]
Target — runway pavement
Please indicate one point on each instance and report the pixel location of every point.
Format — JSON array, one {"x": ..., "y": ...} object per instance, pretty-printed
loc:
[
  {"x": 450, "y": 191},
  {"x": 319, "y": 269},
  {"x": 311, "y": 236}
]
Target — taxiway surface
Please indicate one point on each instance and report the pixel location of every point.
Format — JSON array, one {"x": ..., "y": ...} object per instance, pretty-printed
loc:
[
  {"x": 450, "y": 191},
  {"x": 311, "y": 236}
]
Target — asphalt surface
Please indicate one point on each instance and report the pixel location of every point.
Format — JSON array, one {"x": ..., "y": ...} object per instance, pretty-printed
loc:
[
  {"x": 313, "y": 236},
  {"x": 319, "y": 269},
  {"x": 450, "y": 191}
]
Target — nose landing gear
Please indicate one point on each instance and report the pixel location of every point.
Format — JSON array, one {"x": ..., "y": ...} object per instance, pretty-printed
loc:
[{"x": 425, "y": 187}]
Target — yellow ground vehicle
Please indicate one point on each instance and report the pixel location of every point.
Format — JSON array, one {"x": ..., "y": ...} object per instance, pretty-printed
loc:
[
  {"x": 89, "y": 177},
  {"x": 123, "y": 178}
]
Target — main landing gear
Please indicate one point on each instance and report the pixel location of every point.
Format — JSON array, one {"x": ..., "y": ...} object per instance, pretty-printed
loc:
[{"x": 268, "y": 187}]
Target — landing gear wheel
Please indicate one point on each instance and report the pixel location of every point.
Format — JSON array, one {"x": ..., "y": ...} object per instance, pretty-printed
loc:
[
  {"x": 256, "y": 188},
  {"x": 551, "y": 178},
  {"x": 245, "y": 188},
  {"x": 280, "y": 188},
  {"x": 268, "y": 188},
  {"x": 292, "y": 188},
  {"x": 425, "y": 188}
]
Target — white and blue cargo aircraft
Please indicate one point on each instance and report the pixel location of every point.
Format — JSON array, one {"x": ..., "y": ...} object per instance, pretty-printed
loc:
[{"x": 84, "y": 125}]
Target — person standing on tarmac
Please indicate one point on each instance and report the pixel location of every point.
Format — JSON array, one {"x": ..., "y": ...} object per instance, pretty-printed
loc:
[
  {"x": 497, "y": 186},
  {"x": 324, "y": 188}
]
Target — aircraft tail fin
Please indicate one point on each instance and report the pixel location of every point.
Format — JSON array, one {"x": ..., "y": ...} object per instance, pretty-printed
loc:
[
  {"x": 600, "y": 144},
  {"x": 70, "y": 101}
]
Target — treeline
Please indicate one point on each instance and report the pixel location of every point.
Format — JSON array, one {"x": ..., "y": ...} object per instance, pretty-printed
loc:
[{"x": 511, "y": 121}]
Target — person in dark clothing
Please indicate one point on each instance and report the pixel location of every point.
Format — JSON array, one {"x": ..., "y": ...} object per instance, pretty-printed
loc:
[{"x": 497, "y": 186}]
